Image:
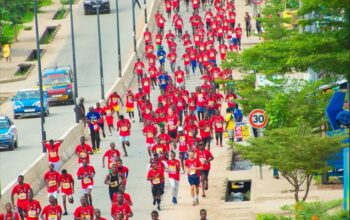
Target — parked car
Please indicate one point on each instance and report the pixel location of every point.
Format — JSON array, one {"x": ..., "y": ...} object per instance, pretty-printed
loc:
[
  {"x": 58, "y": 82},
  {"x": 8, "y": 133},
  {"x": 90, "y": 6},
  {"x": 27, "y": 103}
]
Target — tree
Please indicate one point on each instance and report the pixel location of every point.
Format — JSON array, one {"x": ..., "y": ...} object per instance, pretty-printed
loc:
[{"x": 297, "y": 152}]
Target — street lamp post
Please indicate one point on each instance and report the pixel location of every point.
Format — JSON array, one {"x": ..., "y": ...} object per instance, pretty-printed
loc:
[
  {"x": 133, "y": 24},
  {"x": 42, "y": 116},
  {"x": 145, "y": 8},
  {"x": 73, "y": 53},
  {"x": 118, "y": 40},
  {"x": 100, "y": 49}
]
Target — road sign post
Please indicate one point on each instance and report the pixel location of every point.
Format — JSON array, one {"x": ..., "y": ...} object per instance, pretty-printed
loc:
[{"x": 258, "y": 119}]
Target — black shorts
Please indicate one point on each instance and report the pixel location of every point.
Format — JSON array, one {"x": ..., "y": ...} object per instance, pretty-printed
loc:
[
  {"x": 187, "y": 1},
  {"x": 158, "y": 189},
  {"x": 206, "y": 140},
  {"x": 204, "y": 173},
  {"x": 172, "y": 134}
]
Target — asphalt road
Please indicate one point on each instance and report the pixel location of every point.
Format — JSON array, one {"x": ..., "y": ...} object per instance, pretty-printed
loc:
[{"x": 62, "y": 117}]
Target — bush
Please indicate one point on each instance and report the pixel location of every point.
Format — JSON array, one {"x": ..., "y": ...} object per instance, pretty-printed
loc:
[{"x": 271, "y": 217}]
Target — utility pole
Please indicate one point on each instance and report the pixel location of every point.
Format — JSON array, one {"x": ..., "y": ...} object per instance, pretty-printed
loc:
[
  {"x": 145, "y": 8},
  {"x": 100, "y": 49},
  {"x": 118, "y": 40},
  {"x": 42, "y": 113},
  {"x": 133, "y": 24},
  {"x": 73, "y": 53}
]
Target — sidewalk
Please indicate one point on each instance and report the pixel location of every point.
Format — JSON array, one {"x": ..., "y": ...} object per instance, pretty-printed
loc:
[{"x": 26, "y": 42}]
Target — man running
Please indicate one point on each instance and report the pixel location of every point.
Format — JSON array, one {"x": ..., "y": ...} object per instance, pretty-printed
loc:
[
  {"x": 193, "y": 167},
  {"x": 67, "y": 189},
  {"x": 121, "y": 208},
  {"x": 218, "y": 124},
  {"x": 9, "y": 213},
  {"x": 127, "y": 197},
  {"x": 86, "y": 174},
  {"x": 155, "y": 215},
  {"x": 92, "y": 118},
  {"x": 52, "y": 211},
  {"x": 113, "y": 101},
  {"x": 112, "y": 180},
  {"x": 124, "y": 126},
  {"x": 32, "y": 208},
  {"x": 205, "y": 157},
  {"x": 52, "y": 179},
  {"x": 85, "y": 211},
  {"x": 156, "y": 177},
  {"x": 52, "y": 147},
  {"x": 203, "y": 214},
  {"x": 21, "y": 190},
  {"x": 83, "y": 151},
  {"x": 112, "y": 156},
  {"x": 174, "y": 175}
]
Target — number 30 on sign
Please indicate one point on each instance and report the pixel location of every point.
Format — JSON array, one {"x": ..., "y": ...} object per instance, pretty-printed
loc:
[{"x": 258, "y": 118}]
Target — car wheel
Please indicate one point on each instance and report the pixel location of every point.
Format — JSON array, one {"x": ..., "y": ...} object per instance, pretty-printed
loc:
[
  {"x": 16, "y": 144},
  {"x": 15, "y": 116},
  {"x": 11, "y": 147}
]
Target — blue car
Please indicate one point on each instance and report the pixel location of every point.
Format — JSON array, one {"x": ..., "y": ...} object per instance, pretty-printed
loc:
[
  {"x": 8, "y": 134},
  {"x": 27, "y": 103}
]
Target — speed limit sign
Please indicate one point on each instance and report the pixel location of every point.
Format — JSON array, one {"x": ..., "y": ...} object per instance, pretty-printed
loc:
[{"x": 258, "y": 118}]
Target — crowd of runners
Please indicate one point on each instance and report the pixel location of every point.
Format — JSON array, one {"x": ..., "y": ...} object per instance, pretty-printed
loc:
[{"x": 179, "y": 128}]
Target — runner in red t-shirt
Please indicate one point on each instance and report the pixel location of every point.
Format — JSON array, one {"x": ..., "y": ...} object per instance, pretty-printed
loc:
[
  {"x": 9, "y": 213},
  {"x": 193, "y": 167},
  {"x": 230, "y": 98},
  {"x": 112, "y": 156},
  {"x": 150, "y": 132},
  {"x": 83, "y": 151},
  {"x": 146, "y": 85},
  {"x": 205, "y": 130},
  {"x": 127, "y": 197},
  {"x": 123, "y": 172},
  {"x": 85, "y": 211},
  {"x": 156, "y": 177},
  {"x": 238, "y": 30},
  {"x": 52, "y": 179},
  {"x": 86, "y": 174},
  {"x": 121, "y": 209},
  {"x": 52, "y": 211},
  {"x": 138, "y": 69},
  {"x": 97, "y": 213},
  {"x": 174, "y": 175},
  {"x": 205, "y": 157},
  {"x": 124, "y": 127},
  {"x": 130, "y": 104},
  {"x": 147, "y": 36},
  {"x": 32, "y": 208},
  {"x": 172, "y": 123},
  {"x": 21, "y": 189},
  {"x": 67, "y": 189},
  {"x": 52, "y": 147},
  {"x": 113, "y": 100}
]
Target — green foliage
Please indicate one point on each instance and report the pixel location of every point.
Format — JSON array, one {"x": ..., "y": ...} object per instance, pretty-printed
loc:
[
  {"x": 271, "y": 217},
  {"x": 297, "y": 152}
]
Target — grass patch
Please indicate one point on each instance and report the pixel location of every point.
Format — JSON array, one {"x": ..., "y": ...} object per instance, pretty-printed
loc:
[
  {"x": 43, "y": 3},
  {"x": 66, "y": 2},
  {"x": 28, "y": 17},
  {"x": 60, "y": 14},
  {"x": 48, "y": 35}
]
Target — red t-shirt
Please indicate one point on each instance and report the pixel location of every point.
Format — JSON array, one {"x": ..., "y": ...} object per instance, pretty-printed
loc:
[
  {"x": 127, "y": 198},
  {"x": 238, "y": 32},
  {"x": 83, "y": 152},
  {"x": 179, "y": 76},
  {"x": 85, "y": 213},
  {"x": 22, "y": 192},
  {"x": 50, "y": 212},
  {"x": 202, "y": 157},
  {"x": 146, "y": 85},
  {"x": 191, "y": 165},
  {"x": 9, "y": 216},
  {"x": 129, "y": 101},
  {"x": 182, "y": 143},
  {"x": 112, "y": 156},
  {"x": 204, "y": 128},
  {"x": 156, "y": 175},
  {"x": 52, "y": 152},
  {"x": 231, "y": 100},
  {"x": 124, "y": 127},
  {"x": 159, "y": 148},
  {"x": 172, "y": 122},
  {"x": 174, "y": 169},
  {"x": 164, "y": 139},
  {"x": 147, "y": 36},
  {"x": 66, "y": 182},
  {"x": 218, "y": 123},
  {"x": 125, "y": 209},
  {"x": 86, "y": 173},
  {"x": 113, "y": 99},
  {"x": 200, "y": 99},
  {"x": 52, "y": 179},
  {"x": 150, "y": 131},
  {"x": 139, "y": 67},
  {"x": 32, "y": 208}
]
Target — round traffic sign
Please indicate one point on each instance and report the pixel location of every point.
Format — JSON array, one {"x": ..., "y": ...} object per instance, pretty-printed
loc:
[
  {"x": 258, "y": 2},
  {"x": 258, "y": 118}
]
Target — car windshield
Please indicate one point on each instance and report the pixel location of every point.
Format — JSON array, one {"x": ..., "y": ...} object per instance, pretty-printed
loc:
[
  {"x": 34, "y": 94},
  {"x": 4, "y": 124},
  {"x": 56, "y": 79}
]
